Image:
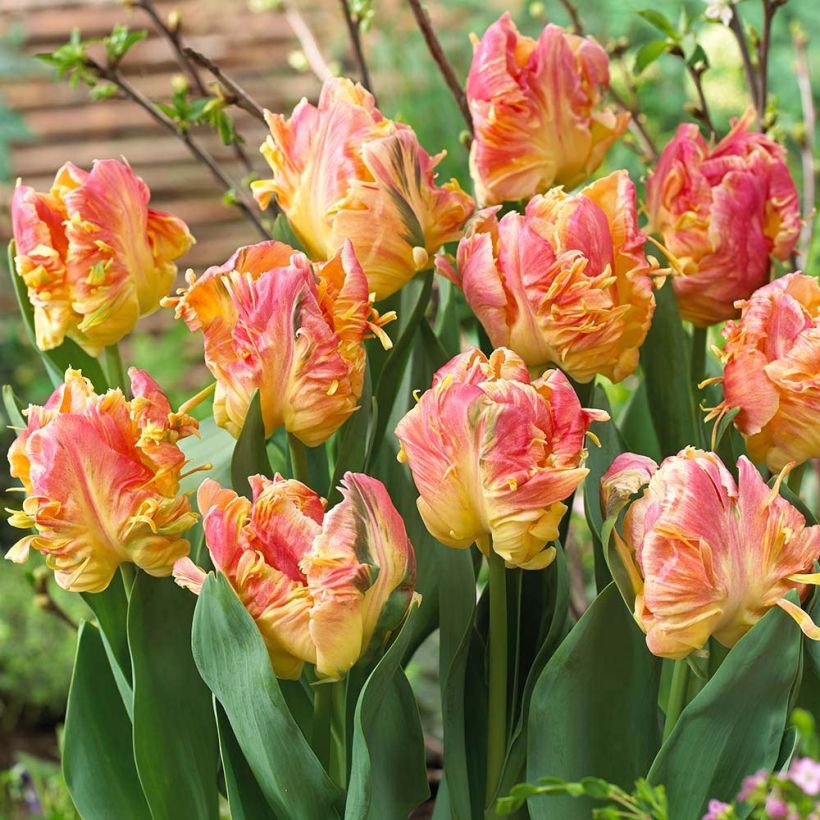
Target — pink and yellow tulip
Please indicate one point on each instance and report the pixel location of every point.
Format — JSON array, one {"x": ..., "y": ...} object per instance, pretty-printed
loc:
[
  {"x": 771, "y": 372},
  {"x": 92, "y": 254},
  {"x": 566, "y": 283},
  {"x": 294, "y": 331},
  {"x": 342, "y": 171},
  {"x": 101, "y": 477},
  {"x": 493, "y": 455},
  {"x": 707, "y": 556},
  {"x": 536, "y": 111},
  {"x": 325, "y": 588},
  {"x": 722, "y": 212}
]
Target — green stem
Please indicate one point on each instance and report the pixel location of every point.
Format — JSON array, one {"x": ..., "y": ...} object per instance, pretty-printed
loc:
[
  {"x": 129, "y": 575},
  {"x": 338, "y": 765},
  {"x": 497, "y": 702},
  {"x": 322, "y": 719},
  {"x": 114, "y": 371},
  {"x": 698, "y": 362},
  {"x": 677, "y": 696},
  {"x": 298, "y": 460}
]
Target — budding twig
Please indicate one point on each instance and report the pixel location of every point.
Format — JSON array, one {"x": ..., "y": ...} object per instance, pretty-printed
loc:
[
  {"x": 437, "y": 52},
  {"x": 236, "y": 94},
  {"x": 354, "y": 31},
  {"x": 801, "y": 68}
]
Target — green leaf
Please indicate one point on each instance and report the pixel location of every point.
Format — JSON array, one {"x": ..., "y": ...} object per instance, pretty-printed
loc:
[
  {"x": 233, "y": 660},
  {"x": 69, "y": 354},
  {"x": 245, "y": 799},
  {"x": 98, "y": 762},
  {"x": 175, "y": 743},
  {"x": 594, "y": 708},
  {"x": 282, "y": 232},
  {"x": 447, "y": 326},
  {"x": 389, "y": 773},
  {"x": 665, "y": 358},
  {"x": 416, "y": 294},
  {"x": 214, "y": 446},
  {"x": 698, "y": 60},
  {"x": 636, "y": 425},
  {"x": 249, "y": 455},
  {"x": 648, "y": 53},
  {"x": 598, "y": 461},
  {"x": 660, "y": 22},
  {"x": 734, "y": 725},
  {"x": 14, "y": 408}
]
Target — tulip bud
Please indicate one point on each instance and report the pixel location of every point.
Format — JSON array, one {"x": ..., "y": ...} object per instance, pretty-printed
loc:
[
  {"x": 708, "y": 556},
  {"x": 493, "y": 455},
  {"x": 93, "y": 255},
  {"x": 101, "y": 476},
  {"x": 324, "y": 588},
  {"x": 566, "y": 283},
  {"x": 343, "y": 171},
  {"x": 536, "y": 111},
  {"x": 273, "y": 322},
  {"x": 771, "y": 362},
  {"x": 722, "y": 211}
]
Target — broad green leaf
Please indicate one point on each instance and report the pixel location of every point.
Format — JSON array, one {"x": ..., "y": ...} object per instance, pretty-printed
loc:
[
  {"x": 636, "y": 425},
  {"x": 98, "y": 760},
  {"x": 660, "y": 22},
  {"x": 415, "y": 295},
  {"x": 735, "y": 724},
  {"x": 283, "y": 232},
  {"x": 213, "y": 446},
  {"x": 648, "y": 53},
  {"x": 111, "y": 610},
  {"x": 389, "y": 773},
  {"x": 245, "y": 799},
  {"x": 233, "y": 660},
  {"x": 175, "y": 743},
  {"x": 249, "y": 455},
  {"x": 13, "y": 407},
  {"x": 69, "y": 354},
  {"x": 447, "y": 326},
  {"x": 594, "y": 708},
  {"x": 598, "y": 462},
  {"x": 665, "y": 357}
]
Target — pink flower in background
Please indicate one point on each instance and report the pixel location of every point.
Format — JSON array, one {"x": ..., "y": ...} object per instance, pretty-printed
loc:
[
  {"x": 101, "y": 476},
  {"x": 566, "y": 283},
  {"x": 536, "y": 110},
  {"x": 342, "y": 171},
  {"x": 718, "y": 810},
  {"x": 707, "y": 556},
  {"x": 722, "y": 212},
  {"x": 493, "y": 455},
  {"x": 805, "y": 773},
  {"x": 93, "y": 255},
  {"x": 771, "y": 371},
  {"x": 324, "y": 588}
]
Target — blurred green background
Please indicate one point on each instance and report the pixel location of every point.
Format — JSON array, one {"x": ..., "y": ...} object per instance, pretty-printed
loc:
[{"x": 35, "y": 646}]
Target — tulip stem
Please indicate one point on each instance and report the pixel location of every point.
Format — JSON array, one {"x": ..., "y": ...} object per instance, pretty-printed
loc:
[
  {"x": 497, "y": 702},
  {"x": 298, "y": 460},
  {"x": 113, "y": 367},
  {"x": 322, "y": 721},
  {"x": 677, "y": 696}
]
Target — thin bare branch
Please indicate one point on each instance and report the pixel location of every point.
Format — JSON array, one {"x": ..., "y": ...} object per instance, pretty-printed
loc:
[
  {"x": 310, "y": 48},
  {"x": 801, "y": 68},
  {"x": 636, "y": 125},
  {"x": 437, "y": 52},
  {"x": 236, "y": 94},
  {"x": 736, "y": 25},
  {"x": 572, "y": 11},
  {"x": 356, "y": 41}
]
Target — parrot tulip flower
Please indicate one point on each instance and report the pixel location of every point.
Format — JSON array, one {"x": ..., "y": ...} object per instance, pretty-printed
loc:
[
  {"x": 493, "y": 455},
  {"x": 566, "y": 283},
  {"x": 722, "y": 211},
  {"x": 325, "y": 588},
  {"x": 92, "y": 254},
  {"x": 343, "y": 171},
  {"x": 536, "y": 111},
  {"x": 771, "y": 371},
  {"x": 275, "y": 323},
  {"x": 101, "y": 476},
  {"x": 708, "y": 556}
]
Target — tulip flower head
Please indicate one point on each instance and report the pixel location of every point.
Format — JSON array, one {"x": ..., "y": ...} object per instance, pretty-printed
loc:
[
  {"x": 722, "y": 211},
  {"x": 101, "y": 476},
  {"x": 294, "y": 331},
  {"x": 92, "y": 254},
  {"x": 771, "y": 371},
  {"x": 536, "y": 111},
  {"x": 493, "y": 455},
  {"x": 708, "y": 556},
  {"x": 324, "y": 588},
  {"x": 343, "y": 171},
  {"x": 566, "y": 283}
]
